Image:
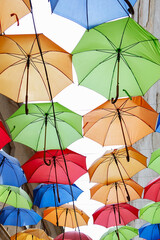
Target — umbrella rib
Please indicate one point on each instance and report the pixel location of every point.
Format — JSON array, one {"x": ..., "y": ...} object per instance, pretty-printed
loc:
[
  {"x": 121, "y": 189},
  {"x": 13, "y": 170},
  {"x": 123, "y": 32},
  {"x": 40, "y": 131},
  {"x": 20, "y": 48},
  {"x": 135, "y": 44},
  {"x": 123, "y": 7},
  {"x": 126, "y": 130},
  {"x": 113, "y": 72},
  {"x": 52, "y": 166}
]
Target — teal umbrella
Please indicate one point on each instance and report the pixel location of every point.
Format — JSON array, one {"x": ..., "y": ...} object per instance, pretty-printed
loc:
[
  {"x": 154, "y": 161},
  {"x": 150, "y": 213},
  {"x": 117, "y": 59}
]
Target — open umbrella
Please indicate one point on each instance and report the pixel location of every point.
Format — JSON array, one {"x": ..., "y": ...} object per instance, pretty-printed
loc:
[
  {"x": 149, "y": 231},
  {"x": 32, "y": 234},
  {"x": 115, "y": 214},
  {"x": 72, "y": 236},
  {"x": 90, "y": 13},
  {"x": 45, "y": 195},
  {"x": 150, "y": 213},
  {"x": 154, "y": 161},
  {"x": 12, "y": 11},
  {"x": 117, "y": 59},
  {"x": 11, "y": 172},
  {"x": 152, "y": 190},
  {"x": 4, "y": 137}
]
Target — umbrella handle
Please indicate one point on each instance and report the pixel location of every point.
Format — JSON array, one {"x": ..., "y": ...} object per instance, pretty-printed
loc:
[
  {"x": 17, "y": 19},
  {"x": 130, "y": 9}
]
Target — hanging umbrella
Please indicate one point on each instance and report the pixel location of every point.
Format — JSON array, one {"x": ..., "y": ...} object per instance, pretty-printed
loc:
[
  {"x": 66, "y": 215},
  {"x": 45, "y": 195},
  {"x": 4, "y": 137},
  {"x": 124, "y": 232},
  {"x": 150, "y": 231},
  {"x": 115, "y": 214},
  {"x": 90, "y": 13},
  {"x": 12, "y": 11},
  {"x": 152, "y": 190},
  {"x": 150, "y": 213},
  {"x": 154, "y": 161},
  {"x": 37, "y": 129},
  {"x": 11, "y": 172},
  {"x": 38, "y": 172},
  {"x": 117, "y": 59},
  {"x": 116, "y": 192},
  {"x": 72, "y": 236},
  {"x": 31, "y": 234}
]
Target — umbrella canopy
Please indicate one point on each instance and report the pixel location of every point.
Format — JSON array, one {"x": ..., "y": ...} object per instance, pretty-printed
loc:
[
  {"x": 45, "y": 195},
  {"x": 66, "y": 216},
  {"x": 4, "y": 137},
  {"x": 38, "y": 172},
  {"x": 11, "y": 172},
  {"x": 150, "y": 213},
  {"x": 154, "y": 161},
  {"x": 22, "y": 74},
  {"x": 124, "y": 232},
  {"x": 31, "y": 234},
  {"x": 12, "y": 11},
  {"x": 115, "y": 214},
  {"x": 72, "y": 236},
  {"x": 37, "y": 129},
  {"x": 150, "y": 231},
  {"x": 115, "y": 124},
  {"x": 117, "y": 56},
  {"x": 152, "y": 190},
  {"x": 116, "y": 192},
  {"x": 112, "y": 167},
  {"x": 15, "y": 197},
  {"x": 19, "y": 216},
  {"x": 90, "y": 13}
]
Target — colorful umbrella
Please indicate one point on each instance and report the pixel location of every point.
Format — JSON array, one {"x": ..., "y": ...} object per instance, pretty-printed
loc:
[
  {"x": 117, "y": 56},
  {"x": 37, "y": 129},
  {"x": 124, "y": 232},
  {"x": 12, "y": 11},
  {"x": 115, "y": 214},
  {"x": 31, "y": 234},
  {"x": 66, "y": 215},
  {"x": 72, "y": 236},
  {"x": 90, "y": 13},
  {"x": 11, "y": 172},
  {"x": 38, "y": 172},
  {"x": 4, "y": 137},
  {"x": 45, "y": 195},
  {"x": 150, "y": 213},
  {"x": 152, "y": 190},
  {"x": 116, "y": 192},
  {"x": 154, "y": 161},
  {"x": 150, "y": 231}
]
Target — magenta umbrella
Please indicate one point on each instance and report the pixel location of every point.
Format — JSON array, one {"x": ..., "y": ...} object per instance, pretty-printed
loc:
[
  {"x": 72, "y": 235},
  {"x": 152, "y": 190},
  {"x": 115, "y": 214}
]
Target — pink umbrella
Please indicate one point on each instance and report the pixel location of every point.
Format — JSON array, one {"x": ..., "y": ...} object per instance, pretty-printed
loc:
[
  {"x": 152, "y": 190},
  {"x": 72, "y": 236}
]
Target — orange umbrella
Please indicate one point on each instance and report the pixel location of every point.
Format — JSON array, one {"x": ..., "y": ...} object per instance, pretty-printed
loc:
[
  {"x": 31, "y": 234},
  {"x": 116, "y": 192},
  {"x": 12, "y": 11},
  {"x": 66, "y": 216}
]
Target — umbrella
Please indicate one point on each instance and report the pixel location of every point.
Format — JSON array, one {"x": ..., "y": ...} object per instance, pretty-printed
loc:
[
  {"x": 37, "y": 129},
  {"x": 66, "y": 216},
  {"x": 4, "y": 137},
  {"x": 72, "y": 235},
  {"x": 38, "y": 172},
  {"x": 116, "y": 192},
  {"x": 154, "y": 161},
  {"x": 11, "y": 172},
  {"x": 12, "y": 11},
  {"x": 115, "y": 214},
  {"x": 22, "y": 74},
  {"x": 31, "y": 234},
  {"x": 45, "y": 195},
  {"x": 152, "y": 190},
  {"x": 150, "y": 231},
  {"x": 117, "y": 59},
  {"x": 150, "y": 213},
  {"x": 90, "y": 13},
  {"x": 124, "y": 232}
]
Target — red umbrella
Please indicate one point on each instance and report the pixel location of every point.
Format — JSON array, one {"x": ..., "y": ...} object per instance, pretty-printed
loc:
[
  {"x": 152, "y": 190},
  {"x": 72, "y": 236},
  {"x": 4, "y": 138},
  {"x": 115, "y": 214},
  {"x": 38, "y": 172}
]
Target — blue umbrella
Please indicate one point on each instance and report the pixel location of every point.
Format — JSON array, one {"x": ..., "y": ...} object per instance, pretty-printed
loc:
[
  {"x": 11, "y": 172},
  {"x": 90, "y": 13},
  {"x": 158, "y": 124},
  {"x": 150, "y": 231},
  {"x": 45, "y": 195}
]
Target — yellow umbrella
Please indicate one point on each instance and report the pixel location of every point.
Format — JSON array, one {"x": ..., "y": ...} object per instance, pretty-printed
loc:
[
  {"x": 11, "y": 11},
  {"x": 32, "y": 234}
]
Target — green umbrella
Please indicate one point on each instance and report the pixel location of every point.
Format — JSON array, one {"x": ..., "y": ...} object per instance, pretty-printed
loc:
[
  {"x": 124, "y": 232},
  {"x": 150, "y": 213},
  {"x": 154, "y": 161},
  {"x": 117, "y": 59},
  {"x": 15, "y": 197},
  {"x": 37, "y": 129}
]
